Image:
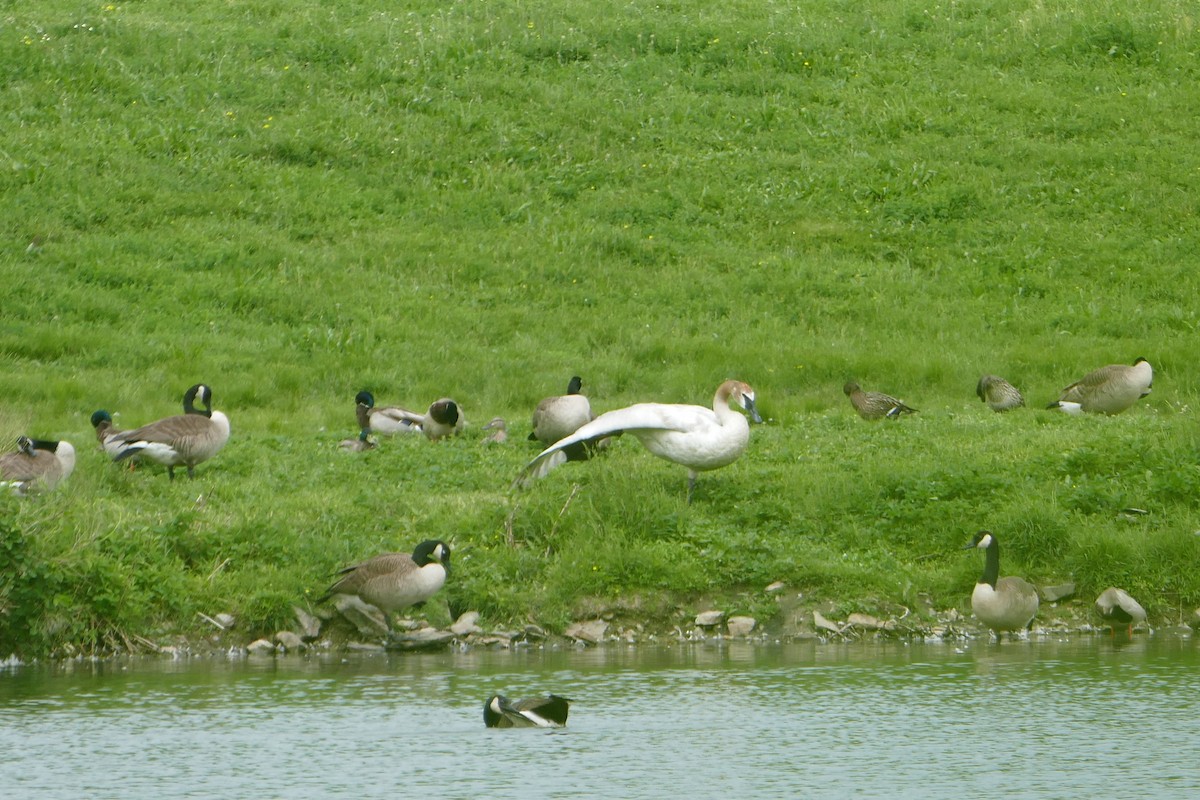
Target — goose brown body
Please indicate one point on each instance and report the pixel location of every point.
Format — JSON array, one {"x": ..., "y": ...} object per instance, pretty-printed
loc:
[
  {"x": 184, "y": 440},
  {"x": 37, "y": 464},
  {"x": 558, "y": 417},
  {"x": 394, "y": 581},
  {"x": 1002, "y": 604},
  {"x": 1108, "y": 390}
]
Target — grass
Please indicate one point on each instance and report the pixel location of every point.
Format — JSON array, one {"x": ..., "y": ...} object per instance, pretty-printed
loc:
[{"x": 294, "y": 201}]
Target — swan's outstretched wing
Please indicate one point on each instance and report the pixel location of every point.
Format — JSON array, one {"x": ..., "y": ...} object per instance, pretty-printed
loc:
[{"x": 640, "y": 417}]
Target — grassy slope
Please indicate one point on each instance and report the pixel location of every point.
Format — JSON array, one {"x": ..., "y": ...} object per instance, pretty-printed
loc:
[{"x": 295, "y": 200}]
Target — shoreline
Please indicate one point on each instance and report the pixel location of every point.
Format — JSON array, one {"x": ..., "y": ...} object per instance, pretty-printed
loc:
[{"x": 708, "y": 628}]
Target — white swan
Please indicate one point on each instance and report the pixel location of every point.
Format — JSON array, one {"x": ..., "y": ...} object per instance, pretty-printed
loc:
[{"x": 698, "y": 438}]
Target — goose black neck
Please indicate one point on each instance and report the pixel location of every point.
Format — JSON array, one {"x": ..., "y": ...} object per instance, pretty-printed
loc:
[{"x": 991, "y": 565}]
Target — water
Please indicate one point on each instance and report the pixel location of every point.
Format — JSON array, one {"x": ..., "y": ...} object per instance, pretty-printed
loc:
[{"x": 1084, "y": 718}]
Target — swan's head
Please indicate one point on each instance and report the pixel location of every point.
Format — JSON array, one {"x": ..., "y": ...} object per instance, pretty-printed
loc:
[{"x": 743, "y": 395}]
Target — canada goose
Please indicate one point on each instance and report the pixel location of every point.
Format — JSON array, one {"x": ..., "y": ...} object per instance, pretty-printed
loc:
[
  {"x": 386, "y": 421},
  {"x": 999, "y": 394},
  {"x": 499, "y": 428},
  {"x": 698, "y": 438},
  {"x": 1003, "y": 604},
  {"x": 185, "y": 440},
  {"x": 107, "y": 434},
  {"x": 1118, "y": 609},
  {"x": 1108, "y": 390},
  {"x": 37, "y": 464},
  {"x": 393, "y": 581},
  {"x": 444, "y": 418},
  {"x": 533, "y": 712},
  {"x": 875, "y": 405},
  {"x": 360, "y": 443},
  {"x": 558, "y": 417}
]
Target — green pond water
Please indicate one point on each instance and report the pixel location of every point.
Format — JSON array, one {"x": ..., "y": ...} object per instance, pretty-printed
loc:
[{"x": 1083, "y": 717}]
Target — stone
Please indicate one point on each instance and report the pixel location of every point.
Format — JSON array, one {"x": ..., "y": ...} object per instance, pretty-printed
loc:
[
  {"x": 289, "y": 641},
  {"x": 1053, "y": 594},
  {"x": 466, "y": 624},
  {"x": 534, "y": 632},
  {"x": 423, "y": 639},
  {"x": 501, "y": 641},
  {"x": 368, "y": 619},
  {"x": 824, "y": 624},
  {"x": 1195, "y": 621},
  {"x": 709, "y": 619},
  {"x": 741, "y": 626},
  {"x": 864, "y": 621},
  {"x": 226, "y": 621},
  {"x": 261, "y": 647},
  {"x": 590, "y": 632},
  {"x": 777, "y": 586},
  {"x": 309, "y": 625}
]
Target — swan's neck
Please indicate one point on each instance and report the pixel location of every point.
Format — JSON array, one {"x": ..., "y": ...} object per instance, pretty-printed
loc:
[{"x": 721, "y": 400}]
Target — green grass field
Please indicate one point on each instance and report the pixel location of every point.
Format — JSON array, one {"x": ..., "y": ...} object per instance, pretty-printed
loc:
[{"x": 292, "y": 201}]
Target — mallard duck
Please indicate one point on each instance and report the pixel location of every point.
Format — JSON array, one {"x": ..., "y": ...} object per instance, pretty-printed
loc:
[
  {"x": 185, "y": 440},
  {"x": 1108, "y": 390},
  {"x": 535, "y": 712},
  {"x": 499, "y": 431},
  {"x": 394, "y": 581},
  {"x": 360, "y": 443},
  {"x": 37, "y": 464},
  {"x": 696, "y": 437},
  {"x": 1118, "y": 609},
  {"x": 875, "y": 405},
  {"x": 444, "y": 418},
  {"x": 386, "y": 421},
  {"x": 1002, "y": 604},
  {"x": 999, "y": 394},
  {"x": 107, "y": 434}
]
